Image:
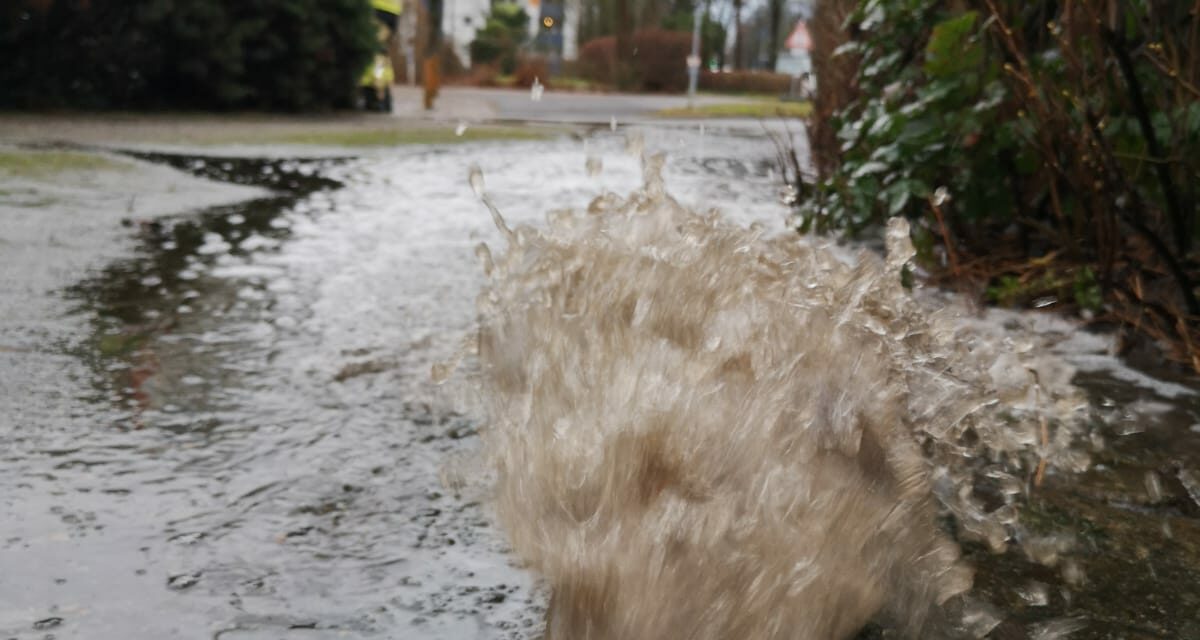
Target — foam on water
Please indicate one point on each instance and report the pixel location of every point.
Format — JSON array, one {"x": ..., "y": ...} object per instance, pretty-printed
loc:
[{"x": 700, "y": 431}]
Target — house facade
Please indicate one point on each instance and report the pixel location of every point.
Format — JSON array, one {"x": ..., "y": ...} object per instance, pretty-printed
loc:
[{"x": 461, "y": 18}]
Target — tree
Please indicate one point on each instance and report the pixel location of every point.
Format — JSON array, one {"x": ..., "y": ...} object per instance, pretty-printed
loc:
[
  {"x": 712, "y": 33},
  {"x": 738, "y": 35},
  {"x": 624, "y": 30},
  {"x": 501, "y": 37},
  {"x": 292, "y": 55},
  {"x": 775, "y": 8}
]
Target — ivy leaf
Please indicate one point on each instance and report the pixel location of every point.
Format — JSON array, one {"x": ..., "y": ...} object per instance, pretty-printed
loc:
[
  {"x": 951, "y": 49},
  {"x": 868, "y": 168},
  {"x": 899, "y": 199}
]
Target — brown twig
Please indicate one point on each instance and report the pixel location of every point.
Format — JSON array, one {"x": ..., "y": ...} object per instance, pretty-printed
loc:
[{"x": 1116, "y": 44}]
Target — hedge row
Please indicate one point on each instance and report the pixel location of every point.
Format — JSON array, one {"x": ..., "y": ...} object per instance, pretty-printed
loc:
[
  {"x": 658, "y": 63},
  {"x": 193, "y": 54},
  {"x": 1047, "y": 152}
]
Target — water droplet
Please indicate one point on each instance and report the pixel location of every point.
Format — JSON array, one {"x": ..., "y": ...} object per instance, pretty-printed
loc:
[
  {"x": 1035, "y": 594},
  {"x": 460, "y": 129},
  {"x": 1191, "y": 483},
  {"x": 594, "y": 166},
  {"x": 899, "y": 244},
  {"x": 1154, "y": 488},
  {"x": 484, "y": 254},
  {"x": 635, "y": 144},
  {"x": 476, "y": 180},
  {"x": 789, "y": 196},
  {"x": 1057, "y": 629},
  {"x": 536, "y": 90},
  {"x": 979, "y": 618},
  {"x": 1072, "y": 573}
]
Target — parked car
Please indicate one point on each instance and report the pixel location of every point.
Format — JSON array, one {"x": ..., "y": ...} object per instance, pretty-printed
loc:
[{"x": 376, "y": 84}]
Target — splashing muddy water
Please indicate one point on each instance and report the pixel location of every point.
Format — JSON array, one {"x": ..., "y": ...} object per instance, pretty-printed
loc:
[{"x": 700, "y": 430}]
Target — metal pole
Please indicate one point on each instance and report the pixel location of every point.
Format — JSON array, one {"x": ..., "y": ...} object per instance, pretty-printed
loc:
[{"x": 693, "y": 61}]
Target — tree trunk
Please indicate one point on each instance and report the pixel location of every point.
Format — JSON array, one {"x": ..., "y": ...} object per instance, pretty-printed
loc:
[
  {"x": 776, "y": 17},
  {"x": 738, "y": 63},
  {"x": 624, "y": 60}
]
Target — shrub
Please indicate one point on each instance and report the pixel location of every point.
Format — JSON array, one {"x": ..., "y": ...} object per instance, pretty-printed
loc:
[
  {"x": 660, "y": 59},
  {"x": 484, "y": 75},
  {"x": 452, "y": 65},
  {"x": 530, "y": 68},
  {"x": 263, "y": 54},
  {"x": 1044, "y": 150},
  {"x": 659, "y": 62},
  {"x": 745, "y": 82},
  {"x": 598, "y": 60},
  {"x": 712, "y": 33},
  {"x": 501, "y": 37}
]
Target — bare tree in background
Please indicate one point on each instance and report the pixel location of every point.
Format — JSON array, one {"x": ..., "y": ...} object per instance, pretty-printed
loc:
[
  {"x": 738, "y": 61},
  {"x": 776, "y": 18},
  {"x": 624, "y": 30}
]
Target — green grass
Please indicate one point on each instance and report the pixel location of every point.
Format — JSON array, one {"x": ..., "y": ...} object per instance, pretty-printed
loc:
[
  {"x": 572, "y": 83},
  {"x": 754, "y": 109},
  {"x": 40, "y": 164},
  {"x": 401, "y": 136}
]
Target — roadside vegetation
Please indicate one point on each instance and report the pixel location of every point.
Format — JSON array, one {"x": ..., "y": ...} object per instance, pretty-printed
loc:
[
  {"x": 1047, "y": 153},
  {"x": 281, "y": 55},
  {"x": 27, "y": 163},
  {"x": 759, "y": 109}
]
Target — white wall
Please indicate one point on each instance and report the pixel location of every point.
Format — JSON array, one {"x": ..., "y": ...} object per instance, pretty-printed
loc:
[{"x": 461, "y": 18}]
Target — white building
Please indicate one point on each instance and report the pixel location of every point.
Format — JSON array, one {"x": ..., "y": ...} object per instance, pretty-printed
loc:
[
  {"x": 462, "y": 18},
  {"x": 796, "y": 61}
]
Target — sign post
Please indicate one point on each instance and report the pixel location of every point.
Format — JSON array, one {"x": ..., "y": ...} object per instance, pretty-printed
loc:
[{"x": 693, "y": 61}]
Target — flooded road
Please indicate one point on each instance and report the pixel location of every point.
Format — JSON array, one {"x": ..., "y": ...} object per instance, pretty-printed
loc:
[
  {"x": 227, "y": 428},
  {"x": 240, "y": 439}
]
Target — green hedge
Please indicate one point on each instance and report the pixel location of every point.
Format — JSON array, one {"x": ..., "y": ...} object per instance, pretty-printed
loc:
[
  {"x": 292, "y": 55},
  {"x": 1047, "y": 151},
  {"x": 498, "y": 42}
]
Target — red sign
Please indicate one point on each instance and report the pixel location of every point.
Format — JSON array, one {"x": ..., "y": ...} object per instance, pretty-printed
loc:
[{"x": 799, "y": 39}]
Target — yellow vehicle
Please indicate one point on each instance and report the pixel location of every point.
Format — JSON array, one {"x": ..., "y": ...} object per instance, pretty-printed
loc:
[{"x": 375, "y": 87}]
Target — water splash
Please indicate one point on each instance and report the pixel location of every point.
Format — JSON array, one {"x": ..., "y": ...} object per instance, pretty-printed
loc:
[
  {"x": 594, "y": 165},
  {"x": 698, "y": 431}
]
